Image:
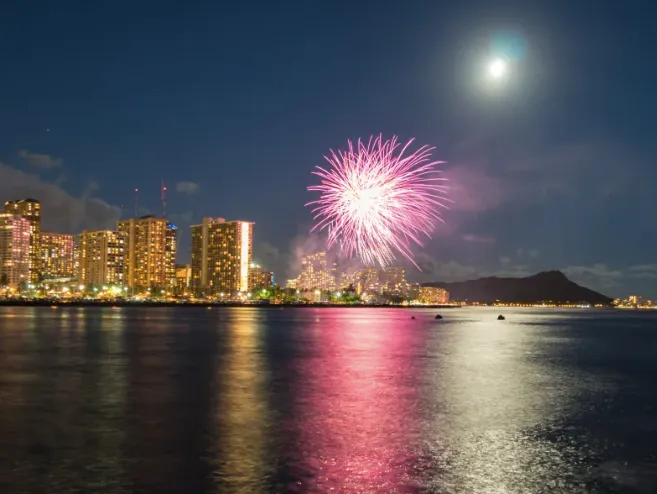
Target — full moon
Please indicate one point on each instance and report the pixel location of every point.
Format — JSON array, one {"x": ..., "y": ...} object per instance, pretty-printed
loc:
[{"x": 497, "y": 68}]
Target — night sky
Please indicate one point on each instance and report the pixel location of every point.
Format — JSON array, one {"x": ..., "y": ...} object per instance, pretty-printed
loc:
[{"x": 233, "y": 103}]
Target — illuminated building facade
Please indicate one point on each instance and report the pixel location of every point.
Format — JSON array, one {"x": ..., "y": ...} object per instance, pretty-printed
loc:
[
  {"x": 183, "y": 279},
  {"x": 150, "y": 252},
  {"x": 433, "y": 296},
  {"x": 221, "y": 256},
  {"x": 390, "y": 281},
  {"x": 393, "y": 280},
  {"x": 58, "y": 255},
  {"x": 634, "y": 302},
  {"x": 30, "y": 209},
  {"x": 368, "y": 281},
  {"x": 76, "y": 258},
  {"x": 102, "y": 258},
  {"x": 259, "y": 278},
  {"x": 315, "y": 273},
  {"x": 346, "y": 279},
  {"x": 412, "y": 291},
  {"x": 15, "y": 235},
  {"x": 170, "y": 255}
]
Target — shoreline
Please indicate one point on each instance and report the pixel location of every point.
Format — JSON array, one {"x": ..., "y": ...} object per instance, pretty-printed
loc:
[
  {"x": 123, "y": 303},
  {"x": 206, "y": 305}
]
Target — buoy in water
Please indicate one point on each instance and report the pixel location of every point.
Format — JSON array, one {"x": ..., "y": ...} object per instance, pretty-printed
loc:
[
  {"x": 438, "y": 316},
  {"x": 412, "y": 317},
  {"x": 500, "y": 317}
]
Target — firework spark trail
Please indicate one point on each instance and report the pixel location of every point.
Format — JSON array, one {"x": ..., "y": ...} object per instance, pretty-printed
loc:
[{"x": 376, "y": 201}]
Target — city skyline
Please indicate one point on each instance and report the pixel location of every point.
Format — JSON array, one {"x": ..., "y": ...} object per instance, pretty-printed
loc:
[
  {"x": 137, "y": 260},
  {"x": 62, "y": 253},
  {"x": 533, "y": 161}
]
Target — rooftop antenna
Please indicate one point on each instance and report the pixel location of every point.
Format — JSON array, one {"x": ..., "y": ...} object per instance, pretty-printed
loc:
[
  {"x": 164, "y": 200},
  {"x": 136, "y": 202}
]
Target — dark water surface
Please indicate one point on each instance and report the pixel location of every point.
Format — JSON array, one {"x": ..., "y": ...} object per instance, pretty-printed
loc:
[{"x": 160, "y": 400}]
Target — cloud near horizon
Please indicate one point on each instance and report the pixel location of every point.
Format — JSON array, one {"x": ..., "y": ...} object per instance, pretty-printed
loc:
[
  {"x": 565, "y": 196},
  {"x": 186, "y": 187},
  {"x": 61, "y": 211},
  {"x": 530, "y": 169},
  {"x": 37, "y": 160},
  {"x": 478, "y": 239},
  {"x": 614, "y": 282}
]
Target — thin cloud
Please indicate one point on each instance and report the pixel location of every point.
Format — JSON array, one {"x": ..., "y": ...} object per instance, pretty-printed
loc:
[
  {"x": 61, "y": 211},
  {"x": 187, "y": 187},
  {"x": 473, "y": 189},
  {"x": 185, "y": 217},
  {"x": 37, "y": 160},
  {"x": 91, "y": 187},
  {"x": 433, "y": 270},
  {"x": 598, "y": 274},
  {"x": 478, "y": 239},
  {"x": 534, "y": 253},
  {"x": 637, "y": 279},
  {"x": 534, "y": 170},
  {"x": 644, "y": 267},
  {"x": 633, "y": 279}
]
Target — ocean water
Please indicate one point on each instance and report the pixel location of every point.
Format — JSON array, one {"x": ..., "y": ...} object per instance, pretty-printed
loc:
[{"x": 248, "y": 400}]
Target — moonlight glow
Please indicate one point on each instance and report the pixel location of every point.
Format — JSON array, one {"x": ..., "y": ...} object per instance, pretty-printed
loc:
[
  {"x": 497, "y": 68},
  {"x": 376, "y": 200}
]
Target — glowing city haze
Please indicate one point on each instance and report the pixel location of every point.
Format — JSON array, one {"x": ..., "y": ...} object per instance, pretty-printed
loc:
[{"x": 377, "y": 199}]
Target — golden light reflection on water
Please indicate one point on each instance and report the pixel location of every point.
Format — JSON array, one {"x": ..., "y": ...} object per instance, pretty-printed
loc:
[
  {"x": 47, "y": 406},
  {"x": 104, "y": 388},
  {"x": 241, "y": 420}
]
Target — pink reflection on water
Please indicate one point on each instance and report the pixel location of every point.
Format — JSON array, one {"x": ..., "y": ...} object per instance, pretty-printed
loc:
[{"x": 358, "y": 394}]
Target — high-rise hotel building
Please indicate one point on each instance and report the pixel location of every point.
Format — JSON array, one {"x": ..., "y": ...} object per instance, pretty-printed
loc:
[
  {"x": 221, "y": 256},
  {"x": 259, "y": 278},
  {"x": 183, "y": 279},
  {"x": 30, "y": 209},
  {"x": 58, "y": 255},
  {"x": 170, "y": 255},
  {"x": 387, "y": 280},
  {"x": 14, "y": 250},
  {"x": 102, "y": 258},
  {"x": 150, "y": 252}
]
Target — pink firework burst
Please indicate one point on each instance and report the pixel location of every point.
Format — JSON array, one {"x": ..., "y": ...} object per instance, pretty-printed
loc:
[{"x": 376, "y": 200}]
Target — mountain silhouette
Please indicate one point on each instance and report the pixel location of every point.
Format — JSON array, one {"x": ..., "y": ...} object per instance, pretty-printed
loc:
[{"x": 547, "y": 286}]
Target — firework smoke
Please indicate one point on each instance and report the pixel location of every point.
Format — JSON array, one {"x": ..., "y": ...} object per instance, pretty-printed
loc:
[{"x": 375, "y": 201}]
